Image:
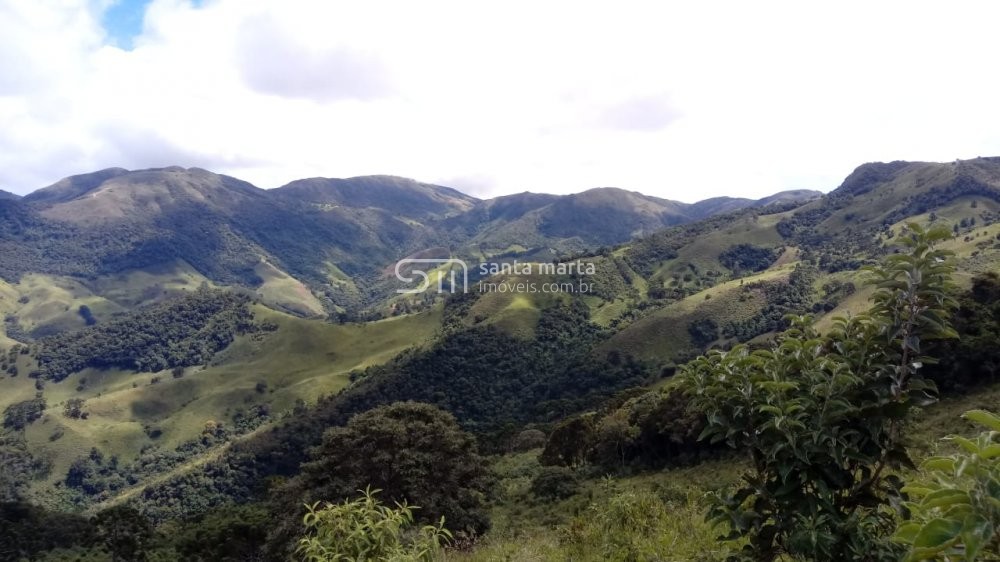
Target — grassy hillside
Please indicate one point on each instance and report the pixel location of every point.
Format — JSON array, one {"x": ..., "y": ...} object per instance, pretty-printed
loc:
[
  {"x": 313, "y": 247},
  {"x": 398, "y": 196},
  {"x": 129, "y": 412},
  {"x": 662, "y": 284},
  {"x": 664, "y": 335},
  {"x": 505, "y": 363}
]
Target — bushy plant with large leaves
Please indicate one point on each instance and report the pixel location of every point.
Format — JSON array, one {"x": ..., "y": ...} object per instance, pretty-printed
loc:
[
  {"x": 365, "y": 529},
  {"x": 955, "y": 514},
  {"x": 819, "y": 416}
]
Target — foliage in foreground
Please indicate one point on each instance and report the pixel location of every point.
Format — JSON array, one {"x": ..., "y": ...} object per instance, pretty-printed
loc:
[
  {"x": 633, "y": 525},
  {"x": 637, "y": 523},
  {"x": 820, "y": 417},
  {"x": 955, "y": 515},
  {"x": 364, "y": 529}
]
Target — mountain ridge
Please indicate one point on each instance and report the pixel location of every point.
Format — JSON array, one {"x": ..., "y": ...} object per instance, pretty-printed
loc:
[
  {"x": 311, "y": 229},
  {"x": 489, "y": 357},
  {"x": 350, "y": 191}
]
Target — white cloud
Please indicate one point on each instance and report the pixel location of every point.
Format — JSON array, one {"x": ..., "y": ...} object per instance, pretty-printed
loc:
[{"x": 680, "y": 100}]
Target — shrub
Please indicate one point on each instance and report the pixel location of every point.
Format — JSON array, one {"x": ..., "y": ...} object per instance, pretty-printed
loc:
[
  {"x": 364, "y": 529},
  {"x": 955, "y": 514},
  {"x": 555, "y": 482},
  {"x": 413, "y": 452},
  {"x": 19, "y": 415},
  {"x": 820, "y": 417},
  {"x": 527, "y": 440},
  {"x": 632, "y": 526},
  {"x": 703, "y": 331}
]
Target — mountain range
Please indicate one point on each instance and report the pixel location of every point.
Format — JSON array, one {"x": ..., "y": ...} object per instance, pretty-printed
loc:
[
  {"x": 334, "y": 236},
  {"x": 178, "y": 340}
]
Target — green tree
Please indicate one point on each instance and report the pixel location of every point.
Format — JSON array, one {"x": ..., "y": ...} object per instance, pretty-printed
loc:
[
  {"x": 570, "y": 443},
  {"x": 820, "y": 416},
  {"x": 612, "y": 437},
  {"x": 364, "y": 529},
  {"x": 703, "y": 331},
  {"x": 555, "y": 482},
  {"x": 74, "y": 408},
  {"x": 19, "y": 415},
  {"x": 955, "y": 512},
  {"x": 233, "y": 533},
  {"x": 124, "y": 532},
  {"x": 412, "y": 452}
]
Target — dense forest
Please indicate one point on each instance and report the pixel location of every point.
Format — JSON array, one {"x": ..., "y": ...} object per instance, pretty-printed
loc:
[{"x": 180, "y": 332}]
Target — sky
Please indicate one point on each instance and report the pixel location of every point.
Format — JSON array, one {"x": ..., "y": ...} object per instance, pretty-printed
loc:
[{"x": 683, "y": 100}]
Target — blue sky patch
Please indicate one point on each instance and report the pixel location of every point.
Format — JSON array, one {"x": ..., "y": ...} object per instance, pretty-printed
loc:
[{"x": 123, "y": 21}]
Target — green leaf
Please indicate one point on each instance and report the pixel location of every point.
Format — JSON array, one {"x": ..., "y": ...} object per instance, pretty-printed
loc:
[
  {"x": 990, "y": 452},
  {"x": 982, "y": 417},
  {"x": 976, "y": 532},
  {"x": 917, "y": 491},
  {"x": 774, "y": 410},
  {"x": 937, "y": 534},
  {"x": 969, "y": 445},
  {"x": 944, "y": 498},
  {"x": 907, "y": 533},
  {"x": 940, "y": 464}
]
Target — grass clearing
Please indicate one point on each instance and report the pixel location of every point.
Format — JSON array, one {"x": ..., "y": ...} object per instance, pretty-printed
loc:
[
  {"x": 286, "y": 293},
  {"x": 663, "y": 335},
  {"x": 303, "y": 359}
]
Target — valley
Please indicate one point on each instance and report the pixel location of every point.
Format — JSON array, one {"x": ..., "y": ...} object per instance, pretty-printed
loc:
[{"x": 178, "y": 342}]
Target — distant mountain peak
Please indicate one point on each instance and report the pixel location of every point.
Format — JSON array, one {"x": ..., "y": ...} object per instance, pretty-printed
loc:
[
  {"x": 397, "y": 195},
  {"x": 119, "y": 194},
  {"x": 71, "y": 187}
]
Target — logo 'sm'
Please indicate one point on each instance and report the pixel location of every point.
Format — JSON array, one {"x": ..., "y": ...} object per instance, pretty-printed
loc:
[{"x": 419, "y": 267}]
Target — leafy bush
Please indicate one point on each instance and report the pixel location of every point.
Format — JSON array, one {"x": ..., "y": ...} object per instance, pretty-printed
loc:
[
  {"x": 364, "y": 529},
  {"x": 555, "y": 482},
  {"x": 820, "y": 417},
  {"x": 19, "y": 415},
  {"x": 747, "y": 258},
  {"x": 955, "y": 514},
  {"x": 413, "y": 452},
  {"x": 74, "y": 408},
  {"x": 527, "y": 440},
  {"x": 703, "y": 331}
]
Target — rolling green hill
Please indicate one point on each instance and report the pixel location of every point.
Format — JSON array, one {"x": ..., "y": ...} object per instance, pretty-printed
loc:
[
  {"x": 168, "y": 342},
  {"x": 735, "y": 268},
  {"x": 99, "y": 272},
  {"x": 313, "y": 247},
  {"x": 131, "y": 414},
  {"x": 396, "y": 196}
]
